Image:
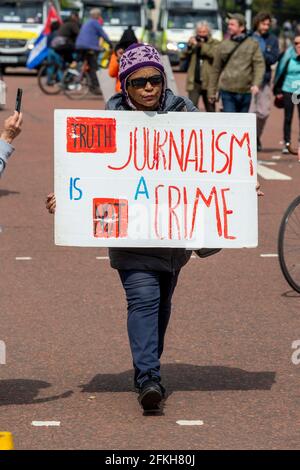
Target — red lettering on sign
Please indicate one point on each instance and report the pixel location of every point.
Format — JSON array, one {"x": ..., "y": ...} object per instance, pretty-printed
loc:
[{"x": 91, "y": 135}]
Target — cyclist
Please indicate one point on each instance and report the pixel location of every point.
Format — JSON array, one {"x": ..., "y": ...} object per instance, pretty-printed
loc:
[
  {"x": 87, "y": 44},
  {"x": 64, "y": 41}
]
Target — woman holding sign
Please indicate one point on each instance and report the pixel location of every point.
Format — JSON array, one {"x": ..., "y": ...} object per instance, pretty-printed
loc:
[{"x": 148, "y": 275}]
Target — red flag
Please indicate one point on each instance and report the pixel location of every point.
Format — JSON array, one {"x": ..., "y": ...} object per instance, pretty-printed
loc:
[{"x": 52, "y": 16}]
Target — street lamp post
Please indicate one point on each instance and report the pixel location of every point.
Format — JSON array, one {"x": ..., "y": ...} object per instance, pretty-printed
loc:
[{"x": 248, "y": 13}]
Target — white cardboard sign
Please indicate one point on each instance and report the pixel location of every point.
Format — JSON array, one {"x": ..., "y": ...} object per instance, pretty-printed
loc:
[{"x": 135, "y": 179}]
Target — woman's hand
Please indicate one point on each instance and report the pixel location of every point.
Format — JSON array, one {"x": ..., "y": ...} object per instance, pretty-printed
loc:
[
  {"x": 51, "y": 203},
  {"x": 12, "y": 127},
  {"x": 259, "y": 192}
]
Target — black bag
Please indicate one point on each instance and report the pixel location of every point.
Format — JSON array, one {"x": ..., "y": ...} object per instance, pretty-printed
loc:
[
  {"x": 278, "y": 102},
  {"x": 205, "y": 252}
]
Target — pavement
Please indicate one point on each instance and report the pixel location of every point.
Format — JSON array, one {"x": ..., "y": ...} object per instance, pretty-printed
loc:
[{"x": 227, "y": 362}]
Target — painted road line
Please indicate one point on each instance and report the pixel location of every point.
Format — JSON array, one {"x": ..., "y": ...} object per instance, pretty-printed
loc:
[
  {"x": 190, "y": 422},
  {"x": 276, "y": 157},
  {"x": 23, "y": 258},
  {"x": 269, "y": 255},
  {"x": 102, "y": 257},
  {"x": 269, "y": 174},
  {"x": 45, "y": 423},
  {"x": 267, "y": 163}
]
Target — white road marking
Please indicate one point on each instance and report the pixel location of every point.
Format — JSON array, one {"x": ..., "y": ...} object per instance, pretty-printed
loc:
[
  {"x": 269, "y": 255},
  {"x": 190, "y": 423},
  {"x": 102, "y": 257},
  {"x": 266, "y": 163},
  {"x": 276, "y": 157},
  {"x": 269, "y": 174},
  {"x": 23, "y": 258},
  {"x": 45, "y": 423}
]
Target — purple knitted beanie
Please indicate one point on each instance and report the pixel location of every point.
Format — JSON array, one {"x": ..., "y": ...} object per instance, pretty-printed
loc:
[{"x": 136, "y": 57}]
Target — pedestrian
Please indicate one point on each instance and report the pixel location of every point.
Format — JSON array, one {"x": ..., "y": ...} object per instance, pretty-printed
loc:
[
  {"x": 127, "y": 39},
  {"x": 12, "y": 128},
  {"x": 269, "y": 46},
  {"x": 287, "y": 88},
  {"x": 64, "y": 40},
  {"x": 149, "y": 275},
  {"x": 87, "y": 44},
  {"x": 238, "y": 68},
  {"x": 200, "y": 55}
]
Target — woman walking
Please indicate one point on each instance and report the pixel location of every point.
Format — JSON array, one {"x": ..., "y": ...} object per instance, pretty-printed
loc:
[{"x": 287, "y": 88}]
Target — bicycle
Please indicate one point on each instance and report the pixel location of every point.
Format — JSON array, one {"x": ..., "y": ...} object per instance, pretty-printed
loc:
[
  {"x": 76, "y": 82},
  {"x": 288, "y": 244},
  {"x": 49, "y": 77}
]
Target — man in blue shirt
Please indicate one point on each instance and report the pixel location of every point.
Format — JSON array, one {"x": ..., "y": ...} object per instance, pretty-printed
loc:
[
  {"x": 269, "y": 46},
  {"x": 87, "y": 43},
  {"x": 12, "y": 128}
]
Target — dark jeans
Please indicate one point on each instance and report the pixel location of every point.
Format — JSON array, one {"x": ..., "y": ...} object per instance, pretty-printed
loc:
[
  {"x": 91, "y": 57},
  {"x": 196, "y": 93},
  {"x": 288, "y": 115},
  {"x": 149, "y": 295},
  {"x": 235, "y": 102}
]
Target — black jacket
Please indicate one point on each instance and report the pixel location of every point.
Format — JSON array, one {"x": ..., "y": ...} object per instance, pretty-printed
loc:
[{"x": 151, "y": 259}]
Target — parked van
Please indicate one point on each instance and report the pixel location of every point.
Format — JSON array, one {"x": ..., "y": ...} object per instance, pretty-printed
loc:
[
  {"x": 21, "y": 22},
  {"x": 177, "y": 21}
]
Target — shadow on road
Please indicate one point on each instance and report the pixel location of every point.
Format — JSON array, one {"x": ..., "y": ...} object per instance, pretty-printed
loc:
[
  {"x": 290, "y": 294},
  {"x": 187, "y": 377},
  {"x": 24, "y": 392},
  {"x": 6, "y": 192}
]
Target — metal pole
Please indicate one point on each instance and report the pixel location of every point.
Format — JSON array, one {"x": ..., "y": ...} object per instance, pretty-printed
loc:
[{"x": 248, "y": 13}]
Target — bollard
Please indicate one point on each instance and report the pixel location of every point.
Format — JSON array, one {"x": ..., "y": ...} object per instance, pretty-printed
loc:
[{"x": 6, "y": 441}]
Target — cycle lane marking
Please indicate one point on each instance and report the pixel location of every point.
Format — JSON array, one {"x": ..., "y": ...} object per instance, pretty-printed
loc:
[{"x": 270, "y": 174}]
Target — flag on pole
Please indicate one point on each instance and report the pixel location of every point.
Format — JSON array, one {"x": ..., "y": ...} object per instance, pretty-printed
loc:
[{"x": 40, "y": 50}]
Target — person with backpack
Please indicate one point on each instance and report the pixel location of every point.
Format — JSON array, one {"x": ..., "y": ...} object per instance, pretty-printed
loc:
[
  {"x": 238, "y": 68},
  {"x": 269, "y": 45}
]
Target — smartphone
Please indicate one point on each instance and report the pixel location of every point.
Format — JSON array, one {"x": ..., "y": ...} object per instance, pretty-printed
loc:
[{"x": 19, "y": 99}]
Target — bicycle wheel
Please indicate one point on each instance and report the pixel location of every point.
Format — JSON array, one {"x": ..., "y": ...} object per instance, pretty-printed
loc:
[
  {"x": 289, "y": 244},
  {"x": 48, "y": 78},
  {"x": 76, "y": 87}
]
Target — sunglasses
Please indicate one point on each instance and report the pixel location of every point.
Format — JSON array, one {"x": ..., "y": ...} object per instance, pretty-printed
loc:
[
  {"x": 296, "y": 43},
  {"x": 154, "y": 80}
]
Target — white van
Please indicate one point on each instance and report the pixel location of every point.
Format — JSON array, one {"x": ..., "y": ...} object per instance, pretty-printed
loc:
[
  {"x": 177, "y": 21},
  {"x": 21, "y": 22}
]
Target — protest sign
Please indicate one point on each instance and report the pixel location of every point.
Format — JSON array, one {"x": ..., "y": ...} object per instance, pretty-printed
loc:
[{"x": 135, "y": 179}]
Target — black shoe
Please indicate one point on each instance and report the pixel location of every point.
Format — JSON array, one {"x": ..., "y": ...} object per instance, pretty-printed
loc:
[
  {"x": 137, "y": 388},
  {"x": 150, "y": 395}
]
